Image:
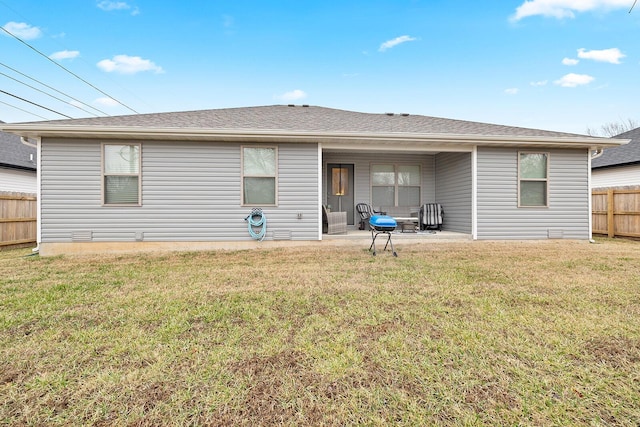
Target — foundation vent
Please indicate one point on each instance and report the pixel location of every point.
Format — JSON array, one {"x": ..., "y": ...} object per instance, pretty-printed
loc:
[
  {"x": 555, "y": 233},
  {"x": 281, "y": 234},
  {"x": 81, "y": 236}
]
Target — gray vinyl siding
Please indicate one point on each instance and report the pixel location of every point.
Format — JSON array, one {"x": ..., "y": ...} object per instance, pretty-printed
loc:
[
  {"x": 191, "y": 191},
  {"x": 362, "y": 171},
  {"x": 498, "y": 214},
  {"x": 454, "y": 190}
]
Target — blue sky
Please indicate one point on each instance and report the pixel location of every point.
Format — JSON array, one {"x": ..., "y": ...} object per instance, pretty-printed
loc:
[{"x": 564, "y": 65}]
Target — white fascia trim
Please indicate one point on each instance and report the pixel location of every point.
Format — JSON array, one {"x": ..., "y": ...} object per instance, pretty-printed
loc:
[
  {"x": 320, "y": 191},
  {"x": 474, "y": 193},
  {"x": 328, "y": 138}
]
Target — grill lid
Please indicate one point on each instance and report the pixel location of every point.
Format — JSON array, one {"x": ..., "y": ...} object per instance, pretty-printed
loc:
[{"x": 382, "y": 221}]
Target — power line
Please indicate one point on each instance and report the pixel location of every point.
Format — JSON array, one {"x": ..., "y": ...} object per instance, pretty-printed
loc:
[
  {"x": 48, "y": 94},
  {"x": 23, "y": 110},
  {"x": 56, "y": 90},
  {"x": 633, "y": 5},
  {"x": 33, "y": 103},
  {"x": 65, "y": 69},
  {"x": 81, "y": 59}
]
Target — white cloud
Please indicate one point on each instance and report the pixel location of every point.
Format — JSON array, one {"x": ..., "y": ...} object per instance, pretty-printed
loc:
[
  {"x": 512, "y": 91},
  {"x": 573, "y": 80},
  {"x": 125, "y": 64},
  {"x": 294, "y": 95},
  {"x": 539, "y": 83},
  {"x": 564, "y": 8},
  {"x": 65, "y": 54},
  {"x": 612, "y": 55},
  {"x": 395, "y": 42},
  {"x": 108, "y": 6},
  {"x": 22, "y": 30},
  {"x": 570, "y": 61},
  {"x": 107, "y": 102}
]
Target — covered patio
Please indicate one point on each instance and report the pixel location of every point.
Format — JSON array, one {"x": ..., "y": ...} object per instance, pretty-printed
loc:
[{"x": 399, "y": 181}]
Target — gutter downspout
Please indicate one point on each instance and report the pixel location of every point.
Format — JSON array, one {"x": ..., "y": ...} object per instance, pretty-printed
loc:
[
  {"x": 594, "y": 155},
  {"x": 597, "y": 153},
  {"x": 38, "y": 195},
  {"x": 26, "y": 142}
]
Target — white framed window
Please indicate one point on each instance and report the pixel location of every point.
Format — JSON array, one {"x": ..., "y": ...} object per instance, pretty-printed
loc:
[
  {"x": 395, "y": 185},
  {"x": 533, "y": 179},
  {"x": 121, "y": 174},
  {"x": 259, "y": 176}
]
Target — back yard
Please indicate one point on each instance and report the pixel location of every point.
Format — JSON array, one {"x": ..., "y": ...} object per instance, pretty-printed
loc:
[{"x": 448, "y": 333}]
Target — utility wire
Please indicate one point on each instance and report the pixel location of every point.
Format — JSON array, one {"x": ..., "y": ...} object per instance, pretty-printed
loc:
[
  {"x": 48, "y": 94},
  {"x": 23, "y": 110},
  {"x": 56, "y": 90},
  {"x": 81, "y": 59},
  {"x": 33, "y": 103},
  {"x": 633, "y": 5},
  {"x": 65, "y": 69}
]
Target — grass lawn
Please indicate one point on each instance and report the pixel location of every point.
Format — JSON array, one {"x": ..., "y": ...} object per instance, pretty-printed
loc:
[{"x": 448, "y": 333}]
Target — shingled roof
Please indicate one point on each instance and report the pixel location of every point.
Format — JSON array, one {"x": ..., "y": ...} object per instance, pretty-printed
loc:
[
  {"x": 288, "y": 118},
  {"x": 333, "y": 128},
  {"x": 622, "y": 155},
  {"x": 15, "y": 154}
]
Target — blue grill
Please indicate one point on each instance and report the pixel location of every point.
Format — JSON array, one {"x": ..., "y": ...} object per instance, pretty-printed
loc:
[{"x": 382, "y": 224}]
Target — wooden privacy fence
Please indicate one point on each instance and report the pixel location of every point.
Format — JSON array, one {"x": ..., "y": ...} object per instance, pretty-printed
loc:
[
  {"x": 18, "y": 222},
  {"x": 616, "y": 211}
]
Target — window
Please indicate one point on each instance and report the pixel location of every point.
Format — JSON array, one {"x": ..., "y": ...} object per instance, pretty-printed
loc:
[
  {"x": 259, "y": 184},
  {"x": 533, "y": 172},
  {"x": 395, "y": 185},
  {"x": 121, "y": 174}
]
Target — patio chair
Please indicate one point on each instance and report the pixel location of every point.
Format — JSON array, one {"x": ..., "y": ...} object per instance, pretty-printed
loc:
[
  {"x": 333, "y": 222},
  {"x": 365, "y": 211},
  {"x": 431, "y": 216}
]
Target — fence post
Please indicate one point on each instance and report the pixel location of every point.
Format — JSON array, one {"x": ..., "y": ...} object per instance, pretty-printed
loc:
[{"x": 611, "y": 232}]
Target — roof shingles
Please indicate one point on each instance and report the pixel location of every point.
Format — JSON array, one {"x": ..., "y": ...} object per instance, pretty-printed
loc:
[
  {"x": 621, "y": 155},
  {"x": 15, "y": 154},
  {"x": 306, "y": 119}
]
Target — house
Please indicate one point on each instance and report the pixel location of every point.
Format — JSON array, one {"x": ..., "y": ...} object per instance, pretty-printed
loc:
[
  {"x": 17, "y": 165},
  {"x": 190, "y": 179},
  {"x": 619, "y": 166}
]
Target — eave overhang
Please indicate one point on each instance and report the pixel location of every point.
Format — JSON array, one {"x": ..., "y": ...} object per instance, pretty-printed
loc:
[
  {"x": 617, "y": 165},
  {"x": 16, "y": 167},
  {"x": 329, "y": 140}
]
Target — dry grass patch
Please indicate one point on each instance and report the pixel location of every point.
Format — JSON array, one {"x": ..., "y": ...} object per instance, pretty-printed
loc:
[{"x": 465, "y": 333}]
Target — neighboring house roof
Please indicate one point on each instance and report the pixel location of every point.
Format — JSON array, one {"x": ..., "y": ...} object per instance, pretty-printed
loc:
[
  {"x": 623, "y": 155},
  {"x": 301, "y": 124},
  {"x": 14, "y": 154}
]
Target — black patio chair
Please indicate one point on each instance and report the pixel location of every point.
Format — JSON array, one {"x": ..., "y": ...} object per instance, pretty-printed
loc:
[{"x": 366, "y": 211}]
